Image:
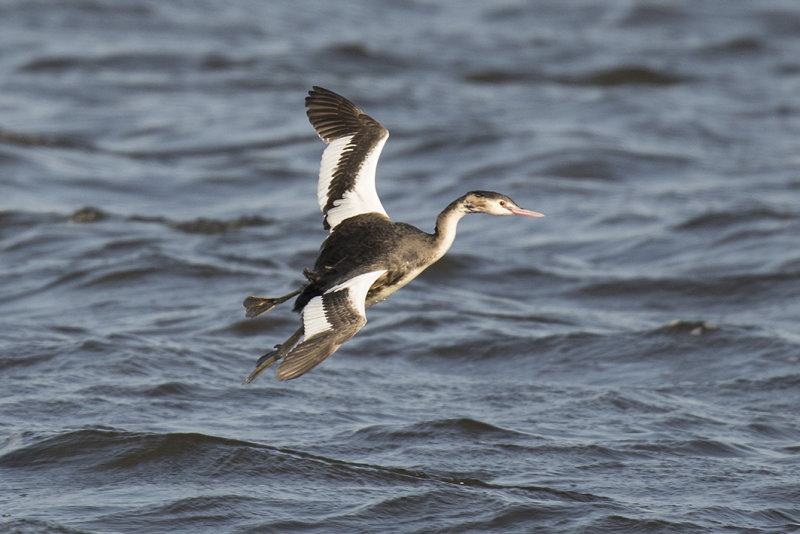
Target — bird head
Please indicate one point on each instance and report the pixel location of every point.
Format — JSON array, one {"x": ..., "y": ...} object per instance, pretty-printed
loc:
[{"x": 494, "y": 204}]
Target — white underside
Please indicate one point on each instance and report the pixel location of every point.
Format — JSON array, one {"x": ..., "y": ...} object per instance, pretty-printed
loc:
[
  {"x": 315, "y": 319},
  {"x": 387, "y": 291}
]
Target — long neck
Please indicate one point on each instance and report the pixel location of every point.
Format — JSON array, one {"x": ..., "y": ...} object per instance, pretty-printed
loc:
[{"x": 446, "y": 224}]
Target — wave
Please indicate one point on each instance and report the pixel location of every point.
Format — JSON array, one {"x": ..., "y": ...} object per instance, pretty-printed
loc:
[
  {"x": 162, "y": 152},
  {"x": 123, "y": 61},
  {"x": 720, "y": 219},
  {"x": 92, "y": 214},
  {"x": 197, "y": 456},
  {"x": 606, "y": 163},
  {"x": 35, "y": 526},
  {"x": 503, "y": 76},
  {"x": 733, "y": 48},
  {"x": 103, "y": 448},
  {"x": 456, "y": 428},
  {"x": 624, "y": 75},
  {"x": 650, "y": 13},
  {"x": 9, "y": 137},
  {"x": 737, "y": 288},
  {"x": 609, "y": 77}
]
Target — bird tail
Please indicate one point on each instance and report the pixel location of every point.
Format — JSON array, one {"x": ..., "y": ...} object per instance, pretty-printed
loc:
[{"x": 255, "y": 306}]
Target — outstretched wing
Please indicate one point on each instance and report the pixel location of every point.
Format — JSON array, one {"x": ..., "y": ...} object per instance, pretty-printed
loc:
[
  {"x": 329, "y": 320},
  {"x": 346, "y": 184}
]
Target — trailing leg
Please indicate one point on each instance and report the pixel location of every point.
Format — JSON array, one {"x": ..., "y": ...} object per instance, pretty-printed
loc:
[{"x": 255, "y": 306}]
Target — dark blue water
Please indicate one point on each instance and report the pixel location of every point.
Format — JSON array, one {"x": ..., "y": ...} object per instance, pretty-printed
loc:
[{"x": 630, "y": 363}]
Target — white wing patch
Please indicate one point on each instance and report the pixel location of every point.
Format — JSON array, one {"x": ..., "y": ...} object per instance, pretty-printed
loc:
[
  {"x": 329, "y": 320},
  {"x": 362, "y": 198},
  {"x": 319, "y": 318},
  {"x": 330, "y": 159},
  {"x": 314, "y": 321},
  {"x": 358, "y": 287}
]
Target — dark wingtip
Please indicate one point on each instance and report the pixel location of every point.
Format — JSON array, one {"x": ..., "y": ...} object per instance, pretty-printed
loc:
[
  {"x": 306, "y": 356},
  {"x": 271, "y": 357},
  {"x": 264, "y": 362},
  {"x": 333, "y": 116},
  {"x": 316, "y": 89}
]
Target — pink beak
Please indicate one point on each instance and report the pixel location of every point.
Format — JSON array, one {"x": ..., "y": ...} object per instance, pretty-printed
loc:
[{"x": 527, "y": 213}]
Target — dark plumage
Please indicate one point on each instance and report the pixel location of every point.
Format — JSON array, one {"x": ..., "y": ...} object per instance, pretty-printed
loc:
[{"x": 361, "y": 244}]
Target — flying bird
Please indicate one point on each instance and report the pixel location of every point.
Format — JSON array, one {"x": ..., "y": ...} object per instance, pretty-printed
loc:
[{"x": 366, "y": 257}]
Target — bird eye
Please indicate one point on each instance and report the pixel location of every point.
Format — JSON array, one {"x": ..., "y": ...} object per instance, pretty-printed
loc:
[{"x": 502, "y": 202}]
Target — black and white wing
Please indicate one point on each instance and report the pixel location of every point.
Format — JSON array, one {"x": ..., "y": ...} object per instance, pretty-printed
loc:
[
  {"x": 346, "y": 184},
  {"x": 329, "y": 320}
]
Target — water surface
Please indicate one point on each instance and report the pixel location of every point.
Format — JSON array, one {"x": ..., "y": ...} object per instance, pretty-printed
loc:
[{"x": 630, "y": 363}]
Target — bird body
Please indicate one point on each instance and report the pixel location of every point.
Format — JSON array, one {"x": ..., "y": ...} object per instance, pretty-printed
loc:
[
  {"x": 366, "y": 243},
  {"x": 366, "y": 257}
]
